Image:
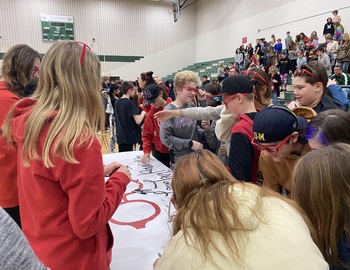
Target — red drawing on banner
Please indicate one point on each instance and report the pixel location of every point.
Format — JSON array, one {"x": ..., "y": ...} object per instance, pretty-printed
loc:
[{"x": 139, "y": 224}]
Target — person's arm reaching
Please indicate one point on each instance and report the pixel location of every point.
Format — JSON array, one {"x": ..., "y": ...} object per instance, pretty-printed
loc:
[{"x": 196, "y": 113}]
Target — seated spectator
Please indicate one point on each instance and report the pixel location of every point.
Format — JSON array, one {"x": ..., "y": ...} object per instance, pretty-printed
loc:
[
  {"x": 341, "y": 78},
  {"x": 221, "y": 223},
  {"x": 321, "y": 187},
  {"x": 279, "y": 134},
  {"x": 304, "y": 37},
  {"x": 238, "y": 97},
  {"x": 328, "y": 127},
  {"x": 312, "y": 57},
  {"x": 301, "y": 60},
  {"x": 314, "y": 39},
  {"x": 234, "y": 71},
  {"x": 309, "y": 46},
  {"x": 310, "y": 89},
  {"x": 205, "y": 81},
  {"x": 299, "y": 43},
  {"x": 157, "y": 98},
  {"x": 226, "y": 71},
  {"x": 181, "y": 134}
]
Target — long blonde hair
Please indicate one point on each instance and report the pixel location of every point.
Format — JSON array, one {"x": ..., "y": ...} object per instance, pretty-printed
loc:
[
  {"x": 321, "y": 186},
  {"x": 205, "y": 205},
  {"x": 69, "y": 86}
]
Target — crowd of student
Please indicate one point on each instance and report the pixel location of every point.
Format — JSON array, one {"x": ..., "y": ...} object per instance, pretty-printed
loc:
[
  {"x": 268, "y": 185},
  {"x": 297, "y": 52}
]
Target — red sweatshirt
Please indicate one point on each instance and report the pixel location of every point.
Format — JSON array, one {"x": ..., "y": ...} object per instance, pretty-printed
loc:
[
  {"x": 65, "y": 209},
  {"x": 151, "y": 133},
  {"x": 8, "y": 162}
]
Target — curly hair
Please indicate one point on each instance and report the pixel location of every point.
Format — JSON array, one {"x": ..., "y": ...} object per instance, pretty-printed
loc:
[{"x": 184, "y": 77}]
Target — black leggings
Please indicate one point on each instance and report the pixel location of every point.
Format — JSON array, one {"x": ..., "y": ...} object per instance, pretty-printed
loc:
[
  {"x": 14, "y": 213},
  {"x": 162, "y": 157},
  {"x": 123, "y": 147}
]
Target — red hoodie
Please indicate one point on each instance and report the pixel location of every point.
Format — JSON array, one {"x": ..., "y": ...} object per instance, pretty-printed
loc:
[
  {"x": 151, "y": 132},
  {"x": 8, "y": 162},
  {"x": 65, "y": 209}
]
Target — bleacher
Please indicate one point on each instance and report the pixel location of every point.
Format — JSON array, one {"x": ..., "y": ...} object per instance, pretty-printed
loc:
[{"x": 208, "y": 68}]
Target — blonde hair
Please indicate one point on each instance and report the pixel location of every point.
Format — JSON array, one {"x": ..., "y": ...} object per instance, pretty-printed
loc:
[
  {"x": 69, "y": 87},
  {"x": 273, "y": 69},
  {"x": 185, "y": 77},
  {"x": 17, "y": 67},
  {"x": 205, "y": 205},
  {"x": 321, "y": 186}
]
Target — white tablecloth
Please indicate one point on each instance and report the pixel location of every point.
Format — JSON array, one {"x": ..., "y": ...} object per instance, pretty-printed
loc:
[{"x": 140, "y": 224}]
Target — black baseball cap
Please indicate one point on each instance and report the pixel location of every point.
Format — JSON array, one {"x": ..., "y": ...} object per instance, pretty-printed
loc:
[
  {"x": 236, "y": 84},
  {"x": 275, "y": 123},
  {"x": 150, "y": 93}
]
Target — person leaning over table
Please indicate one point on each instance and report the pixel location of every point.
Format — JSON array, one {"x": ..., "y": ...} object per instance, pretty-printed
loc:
[{"x": 221, "y": 223}]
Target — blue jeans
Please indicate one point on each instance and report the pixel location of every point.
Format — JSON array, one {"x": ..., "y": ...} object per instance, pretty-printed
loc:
[
  {"x": 344, "y": 65},
  {"x": 274, "y": 98},
  {"x": 346, "y": 91}
]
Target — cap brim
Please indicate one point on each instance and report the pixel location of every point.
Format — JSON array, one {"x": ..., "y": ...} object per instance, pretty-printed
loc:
[
  {"x": 302, "y": 123},
  {"x": 149, "y": 101}
]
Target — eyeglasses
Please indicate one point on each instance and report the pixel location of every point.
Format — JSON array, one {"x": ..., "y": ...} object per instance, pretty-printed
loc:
[
  {"x": 270, "y": 148},
  {"x": 312, "y": 131},
  {"x": 217, "y": 98},
  {"x": 191, "y": 89},
  {"x": 35, "y": 72},
  {"x": 302, "y": 71},
  {"x": 225, "y": 100},
  {"x": 83, "y": 51},
  {"x": 254, "y": 75}
]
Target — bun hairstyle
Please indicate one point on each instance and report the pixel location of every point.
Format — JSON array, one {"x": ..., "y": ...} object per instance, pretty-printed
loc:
[{"x": 147, "y": 77}]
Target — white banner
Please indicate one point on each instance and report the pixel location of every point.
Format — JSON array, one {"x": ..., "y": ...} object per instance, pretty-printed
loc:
[{"x": 140, "y": 225}]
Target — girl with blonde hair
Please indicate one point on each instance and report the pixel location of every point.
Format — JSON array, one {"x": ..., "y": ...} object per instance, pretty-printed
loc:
[
  {"x": 221, "y": 223},
  {"x": 65, "y": 202},
  {"x": 322, "y": 187}
]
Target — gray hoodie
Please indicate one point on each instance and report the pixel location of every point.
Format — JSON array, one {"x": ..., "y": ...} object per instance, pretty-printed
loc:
[
  {"x": 15, "y": 251},
  {"x": 177, "y": 132}
]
